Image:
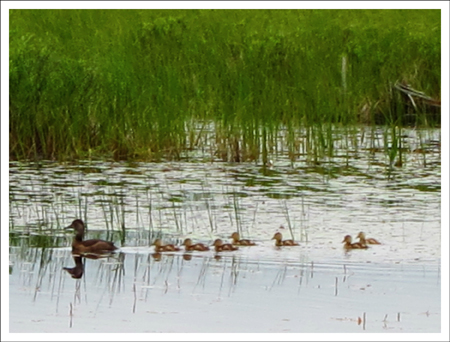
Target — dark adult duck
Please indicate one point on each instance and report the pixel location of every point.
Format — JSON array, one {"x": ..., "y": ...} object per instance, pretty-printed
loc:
[{"x": 95, "y": 246}]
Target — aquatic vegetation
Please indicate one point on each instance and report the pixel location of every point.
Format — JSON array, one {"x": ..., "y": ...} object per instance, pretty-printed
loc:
[{"x": 149, "y": 83}]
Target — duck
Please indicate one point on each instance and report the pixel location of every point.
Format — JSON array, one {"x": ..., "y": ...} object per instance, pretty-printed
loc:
[
  {"x": 349, "y": 245},
  {"x": 94, "y": 246},
  {"x": 189, "y": 246},
  {"x": 364, "y": 241},
  {"x": 237, "y": 240},
  {"x": 278, "y": 237},
  {"x": 159, "y": 247},
  {"x": 219, "y": 246}
]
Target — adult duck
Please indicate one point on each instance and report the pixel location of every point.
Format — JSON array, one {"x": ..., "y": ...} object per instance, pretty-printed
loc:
[
  {"x": 278, "y": 237},
  {"x": 95, "y": 246},
  {"x": 240, "y": 242}
]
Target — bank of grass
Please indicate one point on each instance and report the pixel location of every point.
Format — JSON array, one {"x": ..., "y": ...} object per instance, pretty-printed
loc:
[{"x": 131, "y": 84}]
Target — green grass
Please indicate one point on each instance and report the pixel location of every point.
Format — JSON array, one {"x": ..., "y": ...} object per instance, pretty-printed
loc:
[{"x": 131, "y": 84}]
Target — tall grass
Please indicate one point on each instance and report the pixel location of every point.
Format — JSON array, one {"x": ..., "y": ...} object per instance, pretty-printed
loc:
[{"x": 127, "y": 84}]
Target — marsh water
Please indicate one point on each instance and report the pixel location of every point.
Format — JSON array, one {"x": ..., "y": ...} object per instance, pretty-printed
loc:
[{"x": 313, "y": 287}]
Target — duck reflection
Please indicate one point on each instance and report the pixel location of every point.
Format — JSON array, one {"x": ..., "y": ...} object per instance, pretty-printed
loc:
[{"x": 77, "y": 271}]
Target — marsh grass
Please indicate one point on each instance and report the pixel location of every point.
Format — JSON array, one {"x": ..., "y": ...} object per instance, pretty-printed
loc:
[{"x": 137, "y": 88}]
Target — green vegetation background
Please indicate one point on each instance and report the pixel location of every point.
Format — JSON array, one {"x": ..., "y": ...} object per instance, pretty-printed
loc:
[{"x": 138, "y": 84}]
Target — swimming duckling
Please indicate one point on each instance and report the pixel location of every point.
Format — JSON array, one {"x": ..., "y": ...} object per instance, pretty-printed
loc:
[
  {"x": 94, "y": 246},
  {"x": 364, "y": 241},
  {"x": 279, "y": 241},
  {"x": 237, "y": 241},
  {"x": 189, "y": 246},
  {"x": 349, "y": 245},
  {"x": 220, "y": 246},
  {"x": 159, "y": 247}
]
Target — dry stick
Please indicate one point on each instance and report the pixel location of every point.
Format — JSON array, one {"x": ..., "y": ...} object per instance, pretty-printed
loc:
[
  {"x": 236, "y": 213},
  {"x": 336, "y": 287},
  {"x": 135, "y": 299},
  {"x": 70, "y": 315},
  {"x": 288, "y": 219},
  {"x": 364, "y": 321}
]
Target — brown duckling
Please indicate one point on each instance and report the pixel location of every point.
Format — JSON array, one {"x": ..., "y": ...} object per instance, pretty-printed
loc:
[
  {"x": 237, "y": 240},
  {"x": 220, "y": 246},
  {"x": 349, "y": 245},
  {"x": 189, "y": 246},
  {"x": 94, "y": 246},
  {"x": 278, "y": 237},
  {"x": 364, "y": 241},
  {"x": 159, "y": 247}
]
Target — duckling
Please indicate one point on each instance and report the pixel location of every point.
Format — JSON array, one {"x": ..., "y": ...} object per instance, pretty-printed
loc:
[
  {"x": 237, "y": 241},
  {"x": 220, "y": 246},
  {"x": 159, "y": 247},
  {"x": 364, "y": 241},
  {"x": 349, "y": 245},
  {"x": 189, "y": 246},
  {"x": 278, "y": 237},
  {"x": 94, "y": 246}
]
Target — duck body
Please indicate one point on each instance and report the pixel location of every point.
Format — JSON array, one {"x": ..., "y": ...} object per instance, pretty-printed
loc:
[
  {"x": 219, "y": 246},
  {"x": 159, "y": 247},
  {"x": 95, "y": 246},
  {"x": 278, "y": 237},
  {"x": 349, "y": 245},
  {"x": 190, "y": 246},
  {"x": 364, "y": 241},
  {"x": 240, "y": 242}
]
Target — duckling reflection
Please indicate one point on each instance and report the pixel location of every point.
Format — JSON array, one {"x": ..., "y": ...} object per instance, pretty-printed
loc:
[
  {"x": 187, "y": 256},
  {"x": 156, "y": 256},
  {"x": 77, "y": 271}
]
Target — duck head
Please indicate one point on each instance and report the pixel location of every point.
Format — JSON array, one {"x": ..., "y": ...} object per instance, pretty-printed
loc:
[
  {"x": 218, "y": 242},
  {"x": 235, "y": 236},
  {"x": 187, "y": 242},
  {"x": 78, "y": 226},
  {"x": 347, "y": 238},
  {"x": 277, "y": 237}
]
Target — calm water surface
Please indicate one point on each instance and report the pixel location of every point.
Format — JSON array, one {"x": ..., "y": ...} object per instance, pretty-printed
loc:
[{"x": 315, "y": 287}]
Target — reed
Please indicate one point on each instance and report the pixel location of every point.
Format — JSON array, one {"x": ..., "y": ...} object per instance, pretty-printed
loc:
[{"x": 137, "y": 87}]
